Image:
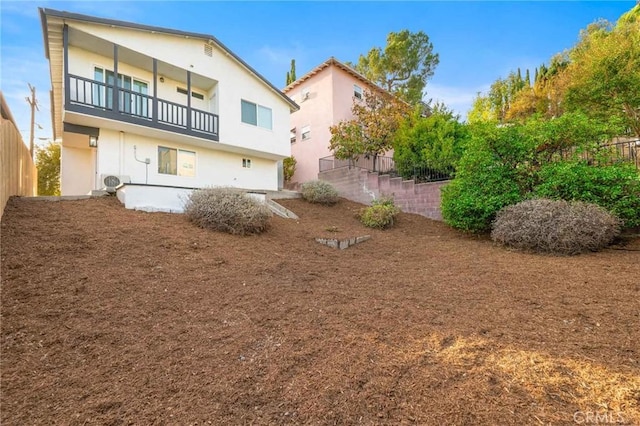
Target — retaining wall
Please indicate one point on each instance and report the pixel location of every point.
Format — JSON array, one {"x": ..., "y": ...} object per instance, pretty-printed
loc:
[{"x": 363, "y": 186}]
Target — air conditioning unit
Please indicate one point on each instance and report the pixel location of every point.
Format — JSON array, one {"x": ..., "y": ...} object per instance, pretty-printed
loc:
[{"x": 111, "y": 182}]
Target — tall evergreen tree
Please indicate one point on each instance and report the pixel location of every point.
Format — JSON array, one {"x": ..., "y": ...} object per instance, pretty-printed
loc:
[
  {"x": 527, "y": 79},
  {"x": 291, "y": 74}
]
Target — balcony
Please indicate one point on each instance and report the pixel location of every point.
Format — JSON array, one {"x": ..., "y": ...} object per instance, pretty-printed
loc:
[{"x": 99, "y": 99}]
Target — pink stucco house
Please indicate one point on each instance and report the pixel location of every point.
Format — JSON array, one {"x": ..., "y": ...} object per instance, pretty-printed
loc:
[{"x": 325, "y": 95}]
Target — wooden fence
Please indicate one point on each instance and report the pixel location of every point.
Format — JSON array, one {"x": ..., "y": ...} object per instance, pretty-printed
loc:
[{"x": 19, "y": 174}]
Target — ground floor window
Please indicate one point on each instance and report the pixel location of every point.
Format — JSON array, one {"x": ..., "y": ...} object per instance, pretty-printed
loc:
[{"x": 172, "y": 161}]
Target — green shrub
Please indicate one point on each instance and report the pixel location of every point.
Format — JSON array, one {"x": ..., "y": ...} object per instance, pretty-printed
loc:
[
  {"x": 483, "y": 185},
  {"x": 381, "y": 214},
  {"x": 227, "y": 210},
  {"x": 320, "y": 192},
  {"x": 289, "y": 168},
  {"x": 503, "y": 165},
  {"x": 555, "y": 226},
  {"x": 614, "y": 187}
]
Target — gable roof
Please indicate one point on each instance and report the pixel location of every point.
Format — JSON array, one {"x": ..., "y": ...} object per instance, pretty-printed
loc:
[
  {"x": 337, "y": 63},
  {"x": 44, "y": 13}
]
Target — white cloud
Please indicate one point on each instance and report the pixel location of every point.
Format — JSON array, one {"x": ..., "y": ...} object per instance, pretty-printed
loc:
[{"x": 458, "y": 98}]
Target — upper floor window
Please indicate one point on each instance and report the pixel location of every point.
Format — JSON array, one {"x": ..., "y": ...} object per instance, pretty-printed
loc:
[
  {"x": 357, "y": 91},
  {"x": 304, "y": 95},
  {"x": 256, "y": 115},
  {"x": 177, "y": 162},
  {"x": 292, "y": 135},
  {"x": 306, "y": 132},
  {"x": 193, "y": 94}
]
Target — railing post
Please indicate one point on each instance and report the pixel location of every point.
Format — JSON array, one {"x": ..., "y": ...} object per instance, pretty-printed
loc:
[{"x": 154, "y": 104}]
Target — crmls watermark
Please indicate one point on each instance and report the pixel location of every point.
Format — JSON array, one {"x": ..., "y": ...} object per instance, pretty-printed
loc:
[{"x": 598, "y": 417}]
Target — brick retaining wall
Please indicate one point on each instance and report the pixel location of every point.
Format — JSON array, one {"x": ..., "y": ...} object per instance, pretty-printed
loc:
[{"x": 363, "y": 186}]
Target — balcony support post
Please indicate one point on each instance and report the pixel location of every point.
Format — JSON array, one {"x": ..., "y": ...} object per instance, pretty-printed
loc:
[
  {"x": 154, "y": 107},
  {"x": 189, "y": 100},
  {"x": 116, "y": 94}
]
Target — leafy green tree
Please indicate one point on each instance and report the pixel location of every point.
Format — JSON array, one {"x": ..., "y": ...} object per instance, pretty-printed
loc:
[
  {"x": 403, "y": 67},
  {"x": 347, "y": 141},
  {"x": 48, "y": 165},
  {"x": 605, "y": 71},
  {"x": 435, "y": 142},
  {"x": 372, "y": 129}
]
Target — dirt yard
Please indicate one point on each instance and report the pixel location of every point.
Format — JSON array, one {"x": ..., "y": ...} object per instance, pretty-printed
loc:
[{"x": 114, "y": 317}]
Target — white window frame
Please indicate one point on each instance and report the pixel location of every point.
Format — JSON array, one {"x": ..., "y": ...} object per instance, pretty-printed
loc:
[
  {"x": 292, "y": 135},
  {"x": 261, "y": 112},
  {"x": 305, "y": 132},
  {"x": 246, "y": 163},
  {"x": 357, "y": 92},
  {"x": 180, "y": 169}
]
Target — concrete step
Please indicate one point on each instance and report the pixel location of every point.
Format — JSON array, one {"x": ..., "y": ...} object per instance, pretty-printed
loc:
[{"x": 280, "y": 210}]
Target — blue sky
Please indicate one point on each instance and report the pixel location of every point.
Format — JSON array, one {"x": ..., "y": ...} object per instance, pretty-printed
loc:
[{"x": 477, "y": 41}]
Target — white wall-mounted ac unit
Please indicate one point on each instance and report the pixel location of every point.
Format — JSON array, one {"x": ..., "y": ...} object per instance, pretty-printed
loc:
[{"x": 110, "y": 182}]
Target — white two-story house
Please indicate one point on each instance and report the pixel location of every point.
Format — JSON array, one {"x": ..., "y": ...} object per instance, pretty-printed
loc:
[{"x": 159, "y": 110}]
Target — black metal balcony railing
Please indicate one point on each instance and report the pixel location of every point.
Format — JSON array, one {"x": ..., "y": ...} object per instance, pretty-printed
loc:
[{"x": 141, "y": 108}]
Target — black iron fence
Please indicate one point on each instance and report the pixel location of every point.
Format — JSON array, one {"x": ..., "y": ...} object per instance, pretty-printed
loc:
[
  {"x": 610, "y": 153},
  {"x": 386, "y": 165}
]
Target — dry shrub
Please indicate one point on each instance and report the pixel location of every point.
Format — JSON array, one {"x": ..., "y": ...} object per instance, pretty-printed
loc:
[
  {"x": 319, "y": 192},
  {"x": 558, "y": 227},
  {"x": 228, "y": 210}
]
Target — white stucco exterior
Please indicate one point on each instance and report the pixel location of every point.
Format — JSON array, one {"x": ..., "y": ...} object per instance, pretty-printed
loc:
[{"x": 243, "y": 156}]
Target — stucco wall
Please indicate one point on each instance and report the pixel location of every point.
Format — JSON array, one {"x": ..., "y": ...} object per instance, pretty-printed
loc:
[
  {"x": 234, "y": 82},
  {"x": 316, "y": 112},
  {"x": 330, "y": 101},
  {"x": 77, "y": 167},
  {"x": 213, "y": 168}
]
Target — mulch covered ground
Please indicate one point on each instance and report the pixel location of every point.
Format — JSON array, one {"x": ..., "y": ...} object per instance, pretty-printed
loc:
[{"x": 111, "y": 316}]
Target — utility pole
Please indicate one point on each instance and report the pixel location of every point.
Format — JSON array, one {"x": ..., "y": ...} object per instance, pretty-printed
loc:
[{"x": 33, "y": 102}]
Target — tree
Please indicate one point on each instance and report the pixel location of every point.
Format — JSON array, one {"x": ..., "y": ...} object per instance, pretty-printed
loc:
[
  {"x": 604, "y": 71},
  {"x": 403, "y": 67},
  {"x": 372, "y": 129},
  {"x": 435, "y": 142},
  {"x": 291, "y": 74},
  {"x": 48, "y": 164}
]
